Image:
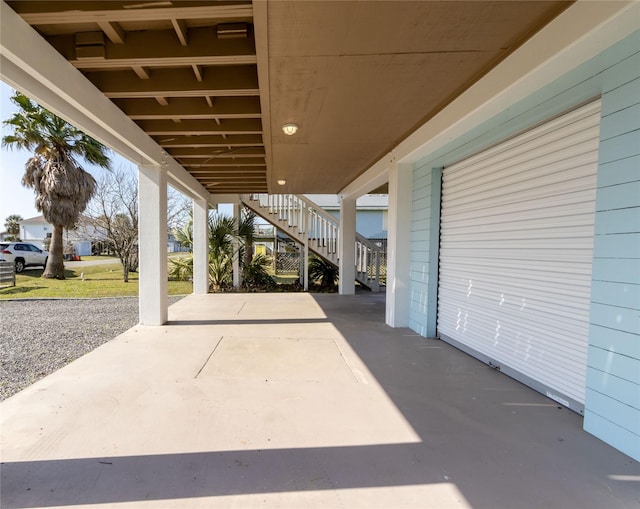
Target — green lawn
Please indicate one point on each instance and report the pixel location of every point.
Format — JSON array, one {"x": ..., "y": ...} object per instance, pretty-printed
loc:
[{"x": 99, "y": 281}]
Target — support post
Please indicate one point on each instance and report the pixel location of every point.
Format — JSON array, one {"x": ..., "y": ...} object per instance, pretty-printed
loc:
[
  {"x": 305, "y": 225},
  {"x": 152, "y": 245},
  {"x": 237, "y": 279},
  {"x": 347, "y": 246},
  {"x": 200, "y": 246},
  {"x": 399, "y": 246}
]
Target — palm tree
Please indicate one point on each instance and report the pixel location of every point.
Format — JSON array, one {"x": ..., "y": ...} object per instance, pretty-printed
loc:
[
  {"x": 12, "y": 225},
  {"x": 63, "y": 188}
]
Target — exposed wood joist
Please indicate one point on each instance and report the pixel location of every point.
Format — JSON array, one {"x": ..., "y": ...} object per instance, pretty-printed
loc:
[
  {"x": 181, "y": 30},
  {"x": 240, "y": 152},
  {"x": 141, "y": 72},
  {"x": 197, "y": 71},
  {"x": 191, "y": 108},
  {"x": 215, "y": 164},
  {"x": 235, "y": 81},
  {"x": 48, "y": 13},
  {"x": 160, "y": 48},
  {"x": 240, "y": 140},
  {"x": 113, "y": 31},
  {"x": 226, "y": 171},
  {"x": 195, "y": 127}
]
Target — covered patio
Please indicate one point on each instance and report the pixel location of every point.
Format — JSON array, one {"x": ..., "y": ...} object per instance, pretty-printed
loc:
[{"x": 296, "y": 400}]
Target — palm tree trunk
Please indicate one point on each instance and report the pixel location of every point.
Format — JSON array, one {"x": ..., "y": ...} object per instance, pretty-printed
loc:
[{"x": 55, "y": 263}]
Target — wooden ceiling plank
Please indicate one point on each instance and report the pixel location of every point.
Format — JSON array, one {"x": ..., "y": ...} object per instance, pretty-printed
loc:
[
  {"x": 160, "y": 48},
  {"x": 195, "y": 127},
  {"x": 181, "y": 30},
  {"x": 197, "y": 71},
  {"x": 141, "y": 72},
  {"x": 43, "y": 13},
  {"x": 240, "y": 153},
  {"x": 191, "y": 108},
  {"x": 227, "y": 81},
  {"x": 113, "y": 31},
  {"x": 239, "y": 140}
]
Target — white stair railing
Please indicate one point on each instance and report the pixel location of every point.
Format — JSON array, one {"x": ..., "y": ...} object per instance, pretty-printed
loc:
[{"x": 303, "y": 220}]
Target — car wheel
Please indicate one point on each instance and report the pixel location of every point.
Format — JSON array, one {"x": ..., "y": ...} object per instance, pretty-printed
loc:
[{"x": 19, "y": 265}]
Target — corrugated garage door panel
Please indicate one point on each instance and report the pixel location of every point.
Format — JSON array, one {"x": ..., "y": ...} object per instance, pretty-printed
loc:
[{"x": 516, "y": 248}]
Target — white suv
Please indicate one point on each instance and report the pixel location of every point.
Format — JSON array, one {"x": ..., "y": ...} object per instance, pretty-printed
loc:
[{"x": 22, "y": 254}]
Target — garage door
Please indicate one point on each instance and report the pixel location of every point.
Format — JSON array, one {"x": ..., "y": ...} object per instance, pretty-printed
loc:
[{"x": 516, "y": 249}]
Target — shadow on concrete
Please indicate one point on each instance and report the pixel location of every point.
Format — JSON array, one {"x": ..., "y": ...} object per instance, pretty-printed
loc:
[{"x": 492, "y": 440}]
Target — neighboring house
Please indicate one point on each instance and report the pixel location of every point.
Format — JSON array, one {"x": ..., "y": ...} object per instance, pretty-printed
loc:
[
  {"x": 371, "y": 212},
  {"x": 36, "y": 230}
]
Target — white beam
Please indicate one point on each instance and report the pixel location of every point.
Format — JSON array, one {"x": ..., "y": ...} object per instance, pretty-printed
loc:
[
  {"x": 399, "y": 245},
  {"x": 347, "y": 246},
  {"x": 200, "y": 246},
  {"x": 237, "y": 277},
  {"x": 152, "y": 245}
]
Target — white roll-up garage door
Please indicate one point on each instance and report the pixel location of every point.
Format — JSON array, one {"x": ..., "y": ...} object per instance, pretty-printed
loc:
[{"x": 516, "y": 246}]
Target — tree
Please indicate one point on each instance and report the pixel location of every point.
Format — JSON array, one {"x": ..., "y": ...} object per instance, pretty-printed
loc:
[
  {"x": 324, "y": 273},
  {"x": 112, "y": 215},
  {"x": 63, "y": 188},
  {"x": 12, "y": 225}
]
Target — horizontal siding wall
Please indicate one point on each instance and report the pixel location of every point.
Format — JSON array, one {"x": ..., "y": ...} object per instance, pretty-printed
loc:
[
  {"x": 420, "y": 260},
  {"x": 613, "y": 364},
  {"x": 612, "y": 412}
]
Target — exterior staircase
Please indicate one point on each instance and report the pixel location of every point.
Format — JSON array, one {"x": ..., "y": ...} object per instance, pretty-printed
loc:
[{"x": 316, "y": 230}]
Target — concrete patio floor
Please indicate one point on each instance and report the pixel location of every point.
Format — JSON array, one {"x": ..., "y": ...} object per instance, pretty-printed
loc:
[{"x": 297, "y": 401}]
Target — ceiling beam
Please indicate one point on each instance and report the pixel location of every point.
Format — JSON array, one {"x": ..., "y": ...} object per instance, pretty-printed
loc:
[
  {"x": 225, "y": 81},
  {"x": 181, "y": 30},
  {"x": 242, "y": 140},
  {"x": 194, "y": 127},
  {"x": 216, "y": 164},
  {"x": 113, "y": 31},
  {"x": 190, "y": 108},
  {"x": 227, "y": 171},
  {"x": 48, "y": 13},
  {"x": 160, "y": 48},
  {"x": 257, "y": 152}
]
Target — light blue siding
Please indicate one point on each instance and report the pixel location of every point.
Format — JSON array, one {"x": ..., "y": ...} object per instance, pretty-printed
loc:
[
  {"x": 610, "y": 385},
  {"x": 615, "y": 341},
  {"x": 616, "y": 294},
  {"x": 618, "y": 246},
  {"x": 616, "y": 436},
  {"x": 618, "y": 221},
  {"x": 612, "y": 408},
  {"x": 613, "y": 395}
]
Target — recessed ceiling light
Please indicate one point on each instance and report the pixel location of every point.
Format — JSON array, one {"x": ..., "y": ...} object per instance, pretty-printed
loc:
[
  {"x": 290, "y": 129},
  {"x": 282, "y": 182}
]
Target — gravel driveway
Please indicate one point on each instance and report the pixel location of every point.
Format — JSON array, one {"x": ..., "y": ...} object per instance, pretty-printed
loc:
[{"x": 38, "y": 337}]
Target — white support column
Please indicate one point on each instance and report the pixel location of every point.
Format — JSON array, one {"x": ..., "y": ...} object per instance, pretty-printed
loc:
[
  {"x": 347, "y": 246},
  {"x": 200, "y": 246},
  {"x": 237, "y": 279},
  {"x": 399, "y": 245},
  {"x": 152, "y": 244},
  {"x": 305, "y": 252}
]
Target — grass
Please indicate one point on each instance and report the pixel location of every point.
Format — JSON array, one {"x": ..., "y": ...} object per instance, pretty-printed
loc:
[{"x": 99, "y": 281}]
